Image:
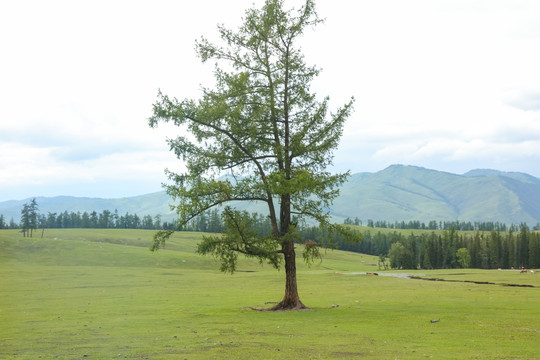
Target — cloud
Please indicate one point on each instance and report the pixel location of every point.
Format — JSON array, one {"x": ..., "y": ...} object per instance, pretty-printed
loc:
[
  {"x": 21, "y": 164},
  {"x": 458, "y": 154},
  {"x": 41, "y": 173},
  {"x": 516, "y": 132},
  {"x": 527, "y": 100},
  {"x": 494, "y": 135},
  {"x": 443, "y": 84}
]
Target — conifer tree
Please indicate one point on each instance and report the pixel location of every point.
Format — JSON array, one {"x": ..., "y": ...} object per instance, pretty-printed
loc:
[{"x": 263, "y": 127}]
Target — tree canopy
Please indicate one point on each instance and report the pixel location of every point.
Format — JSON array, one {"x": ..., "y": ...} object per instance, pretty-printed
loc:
[{"x": 260, "y": 134}]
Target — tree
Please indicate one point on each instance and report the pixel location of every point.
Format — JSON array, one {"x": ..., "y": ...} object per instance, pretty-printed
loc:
[
  {"x": 382, "y": 261},
  {"x": 25, "y": 219},
  {"x": 93, "y": 219},
  {"x": 265, "y": 129},
  {"x": 214, "y": 222},
  {"x": 401, "y": 257},
  {"x": 426, "y": 261},
  {"x": 33, "y": 215},
  {"x": 157, "y": 222},
  {"x": 42, "y": 223},
  {"x": 523, "y": 245},
  {"x": 463, "y": 258},
  {"x": 147, "y": 222},
  {"x": 85, "y": 220},
  {"x": 104, "y": 219},
  {"x": 397, "y": 255}
]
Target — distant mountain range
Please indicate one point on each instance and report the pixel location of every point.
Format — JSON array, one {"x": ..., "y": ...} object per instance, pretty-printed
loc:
[
  {"x": 396, "y": 193},
  {"x": 414, "y": 193}
]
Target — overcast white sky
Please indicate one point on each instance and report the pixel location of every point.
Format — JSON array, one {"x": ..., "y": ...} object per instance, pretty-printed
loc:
[{"x": 449, "y": 85}]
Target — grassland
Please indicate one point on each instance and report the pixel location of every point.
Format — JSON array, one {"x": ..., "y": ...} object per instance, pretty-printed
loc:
[{"x": 100, "y": 294}]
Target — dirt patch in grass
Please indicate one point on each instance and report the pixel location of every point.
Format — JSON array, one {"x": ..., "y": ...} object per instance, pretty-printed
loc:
[{"x": 472, "y": 282}]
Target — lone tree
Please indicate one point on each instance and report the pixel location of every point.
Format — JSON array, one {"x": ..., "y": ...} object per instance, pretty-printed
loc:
[{"x": 263, "y": 128}]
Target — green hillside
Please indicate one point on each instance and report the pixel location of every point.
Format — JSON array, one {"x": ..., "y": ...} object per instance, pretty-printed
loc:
[
  {"x": 414, "y": 193},
  {"x": 522, "y": 177},
  {"x": 101, "y": 294},
  {"x": 397, "y": 193}
]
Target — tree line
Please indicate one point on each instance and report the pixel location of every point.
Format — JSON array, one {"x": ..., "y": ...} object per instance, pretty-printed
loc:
[
  {"x": 32, "y": 220},
  {"x": 452, "y": 249},
  {"x": 501, "y": 246},
  {"x": 437, "y": 225},
  {"x": 495, "y": 248}
]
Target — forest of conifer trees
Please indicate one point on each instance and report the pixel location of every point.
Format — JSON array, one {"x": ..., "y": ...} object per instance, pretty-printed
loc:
[{"x": 440, "y": 249}]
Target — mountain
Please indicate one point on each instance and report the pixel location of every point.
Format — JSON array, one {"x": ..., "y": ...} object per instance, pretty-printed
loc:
[
  {"x": 413, "y": 193},
  {"x": 396, "y": 193}
]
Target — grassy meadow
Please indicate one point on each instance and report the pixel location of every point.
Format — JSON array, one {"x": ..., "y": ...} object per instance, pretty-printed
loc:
[{"x": 101, "y": 294}]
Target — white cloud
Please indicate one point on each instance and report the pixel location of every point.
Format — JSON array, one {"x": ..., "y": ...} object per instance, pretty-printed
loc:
[
  {"x": 448, "y": 84},
  {"x": 524, "y": 99}
]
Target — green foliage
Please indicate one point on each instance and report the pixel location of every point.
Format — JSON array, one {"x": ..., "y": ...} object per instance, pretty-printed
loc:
[
  {"x": 159, "y": 239},
  {"x": 240, "y": 236},
  {"x": 263, "y": 127},
  {"x": 31, "y": 219},
  {"x": 463, "y": 257},
  {"x": 311, "y": 252},
  {"x": 401, "y": 257},
  {"x": 438, "y": 249},
  {"x": 382, "y": 262}
]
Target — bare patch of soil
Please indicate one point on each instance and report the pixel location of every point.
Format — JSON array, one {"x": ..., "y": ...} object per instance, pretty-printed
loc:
[{"x": 471, "y": 281}]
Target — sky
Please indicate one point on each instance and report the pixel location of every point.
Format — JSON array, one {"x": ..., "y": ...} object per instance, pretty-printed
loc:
[{"x": 447, "y": 85}]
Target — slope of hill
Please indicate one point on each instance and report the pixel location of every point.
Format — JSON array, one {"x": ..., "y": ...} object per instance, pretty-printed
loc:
[
  {"x": 525, "y": 178},
  {"x": 408, "y": 192},
  {"x": 396, "y": 193}
]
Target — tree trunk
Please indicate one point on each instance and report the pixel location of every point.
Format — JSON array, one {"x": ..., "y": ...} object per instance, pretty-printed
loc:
[{"x": 291, "y": 300}]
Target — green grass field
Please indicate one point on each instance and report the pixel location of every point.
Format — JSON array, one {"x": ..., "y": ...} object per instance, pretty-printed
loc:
[{"x": 101, "y": 294}]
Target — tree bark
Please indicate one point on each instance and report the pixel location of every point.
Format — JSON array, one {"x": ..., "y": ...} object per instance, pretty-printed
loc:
[{"x": 291, "y": 300}]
